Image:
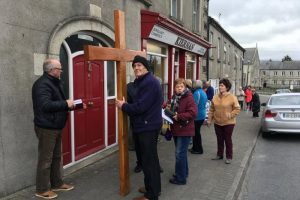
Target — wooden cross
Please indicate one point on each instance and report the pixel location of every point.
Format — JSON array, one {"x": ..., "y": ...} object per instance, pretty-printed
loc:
[{"x": 121, "y": 55}]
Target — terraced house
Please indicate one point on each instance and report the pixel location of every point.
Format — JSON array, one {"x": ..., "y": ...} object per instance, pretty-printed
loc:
[{"x": 278, "y": 74}]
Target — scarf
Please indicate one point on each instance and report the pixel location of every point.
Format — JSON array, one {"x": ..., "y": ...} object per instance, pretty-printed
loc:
[{"x": 176, "y": 98}]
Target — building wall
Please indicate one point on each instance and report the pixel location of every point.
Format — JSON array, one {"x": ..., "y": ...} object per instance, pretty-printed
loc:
[
  {"x": 26, "y": 29},
  {"x": 229, "y": 63},
  {"x": 280, "y": 78}
]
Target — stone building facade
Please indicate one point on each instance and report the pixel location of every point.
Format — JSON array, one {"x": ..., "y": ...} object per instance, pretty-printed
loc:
[
  {"x": 251, "y": 67},
  {"x": 278, "y": 74},
  {"x": 225, "y": 58}
]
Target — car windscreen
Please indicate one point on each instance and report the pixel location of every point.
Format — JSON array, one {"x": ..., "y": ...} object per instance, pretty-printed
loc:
[{"x": 285, "y": 100}]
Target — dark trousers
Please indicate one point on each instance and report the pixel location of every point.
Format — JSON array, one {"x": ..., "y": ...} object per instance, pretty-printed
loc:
[
  {"x": 224, "y": 134},
  {"x": 150, "y": 163},
  {"x": 255, "y": 114},
  {"x": 49, "y": 167},
  {"x": 137, "y": 149},
  {"x": 241, "y": 104},
  {"x": 197, "y": 140}
]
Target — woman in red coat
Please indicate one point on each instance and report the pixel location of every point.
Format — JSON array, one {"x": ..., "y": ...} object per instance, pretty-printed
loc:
[
  {"x": 183, "y": 129},
  {"x": 248, "y": 95}
]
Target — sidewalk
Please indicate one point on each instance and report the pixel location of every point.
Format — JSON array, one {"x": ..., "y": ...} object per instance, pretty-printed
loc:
[{"x": 208, "y": 180}]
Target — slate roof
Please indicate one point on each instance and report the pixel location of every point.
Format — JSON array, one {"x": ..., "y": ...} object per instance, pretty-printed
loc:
[
  {"x": 249, "y": 55},
  {"x": 279, "y": 65}
]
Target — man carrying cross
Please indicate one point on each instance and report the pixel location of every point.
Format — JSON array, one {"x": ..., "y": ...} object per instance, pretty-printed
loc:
[{"x": 146, "y": 119}]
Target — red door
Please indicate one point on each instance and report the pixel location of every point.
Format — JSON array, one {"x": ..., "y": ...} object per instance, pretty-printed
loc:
[{"x": 88, "y": 81}]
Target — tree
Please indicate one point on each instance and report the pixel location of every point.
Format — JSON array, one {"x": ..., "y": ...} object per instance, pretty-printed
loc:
[{"x": 287, "y": 58}]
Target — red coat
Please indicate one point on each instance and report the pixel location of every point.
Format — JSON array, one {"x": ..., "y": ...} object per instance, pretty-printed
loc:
[
  {"x": 248, "y": 95},
  {"x": 186, "y": 113}
]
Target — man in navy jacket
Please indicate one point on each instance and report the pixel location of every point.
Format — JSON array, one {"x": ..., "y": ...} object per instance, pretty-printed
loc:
[{"x": 146, "y": 121}]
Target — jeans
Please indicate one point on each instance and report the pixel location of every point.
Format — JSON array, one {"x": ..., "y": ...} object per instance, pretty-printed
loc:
[
  {"x": 49, "y": 167},
  {"x": 181, "y": 164},
  {"x": 150, "y": 163}
]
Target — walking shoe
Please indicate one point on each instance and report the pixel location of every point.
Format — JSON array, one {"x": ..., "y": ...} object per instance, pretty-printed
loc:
[
  {"x": 138, "y": 169},
  {"x": 161, "y": 170},
  {"x": 218, "y": 158},
  {"x": 140, "y": 198},
  {"x": 64, "y": 187},
  {"x": 142, "y": 190},
  {"x": 196, "y": 152},
  {"x": 228, "y": 161},
  {"x": 46, "y": 195},
  {"x": 176, "y": 182}
]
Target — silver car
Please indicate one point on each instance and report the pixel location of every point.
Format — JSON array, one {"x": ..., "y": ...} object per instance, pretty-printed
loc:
[{"x": 281, "y": 114}]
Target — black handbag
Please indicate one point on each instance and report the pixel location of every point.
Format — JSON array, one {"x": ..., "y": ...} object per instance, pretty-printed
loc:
[{"x": 169, "y": 113}]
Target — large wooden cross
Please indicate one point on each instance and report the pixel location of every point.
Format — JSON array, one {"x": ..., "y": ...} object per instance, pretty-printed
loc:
[{"x": 121, "y": 55}]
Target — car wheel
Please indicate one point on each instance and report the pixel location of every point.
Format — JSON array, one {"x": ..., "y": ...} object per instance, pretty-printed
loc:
[{"x": 265, "y": 134}]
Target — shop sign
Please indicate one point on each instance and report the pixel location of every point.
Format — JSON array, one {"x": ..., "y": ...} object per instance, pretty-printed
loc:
[{"x": 163, "y": 35}]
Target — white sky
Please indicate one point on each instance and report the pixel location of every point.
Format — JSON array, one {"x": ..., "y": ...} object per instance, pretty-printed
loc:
[{"x": 273, "y": 25}]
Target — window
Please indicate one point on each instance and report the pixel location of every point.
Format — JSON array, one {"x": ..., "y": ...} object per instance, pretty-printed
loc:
[
  {"x": 176, "y": 9},
  {"x": 211, "y": 40},
  {"x": 283, "y": 73},
  {"x": 219, "y": 48},
  {"x": 291, "y": 73},
  {"x": 275, "y": 73},
  {"x": 111, "y": 73},
  {"x": 196, "y": 14},
  {"x": 176, "y": 64},
  {"x": 191, "y": 67},
  {"x": 264, "y": 73},
  {"x": 157, "y": 56},
  {"x": 275, "y": 82}
]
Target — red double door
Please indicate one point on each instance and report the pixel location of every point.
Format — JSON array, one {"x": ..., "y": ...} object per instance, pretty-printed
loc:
[{"x": 89, "y": 135}]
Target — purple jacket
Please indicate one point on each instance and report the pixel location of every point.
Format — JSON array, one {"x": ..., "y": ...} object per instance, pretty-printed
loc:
[{"x": 187, "y": 112}]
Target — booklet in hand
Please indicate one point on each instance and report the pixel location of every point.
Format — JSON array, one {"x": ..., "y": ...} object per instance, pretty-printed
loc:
[{"x": 78, "y": 104}]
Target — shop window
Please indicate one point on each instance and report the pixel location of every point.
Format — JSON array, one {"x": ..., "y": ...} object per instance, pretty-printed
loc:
[
  {"x": 176, "y": 65},
  {"x": 191, "y": 67},
  {"x": 157, "y": 57}
]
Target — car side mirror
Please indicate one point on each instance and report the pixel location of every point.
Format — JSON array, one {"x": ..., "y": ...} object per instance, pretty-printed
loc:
[{"x": 263, "y": 104}]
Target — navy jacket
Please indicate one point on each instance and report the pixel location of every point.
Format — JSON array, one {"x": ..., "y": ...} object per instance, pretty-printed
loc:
[
  {"x": 145, "y": 108},
  {"x": 49, "y": 103}
]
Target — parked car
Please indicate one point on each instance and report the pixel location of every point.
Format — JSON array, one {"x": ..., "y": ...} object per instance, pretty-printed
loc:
[
  {"x": 281, "y": 114},
  {"x": 282, "y": 91}
]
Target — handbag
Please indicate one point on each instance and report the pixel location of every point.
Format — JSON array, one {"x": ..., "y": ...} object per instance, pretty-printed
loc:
[{"x": 168, "y": 135}]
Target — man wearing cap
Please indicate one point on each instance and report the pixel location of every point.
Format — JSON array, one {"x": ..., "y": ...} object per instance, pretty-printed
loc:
[{"x": 146, "y": 121}]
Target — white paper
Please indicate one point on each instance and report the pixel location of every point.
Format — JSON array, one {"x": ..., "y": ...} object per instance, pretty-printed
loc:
[{"x": 164, "y": 116}]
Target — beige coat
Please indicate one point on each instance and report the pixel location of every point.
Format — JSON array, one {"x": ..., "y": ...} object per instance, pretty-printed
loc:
[{"x": 224, "y": 109}]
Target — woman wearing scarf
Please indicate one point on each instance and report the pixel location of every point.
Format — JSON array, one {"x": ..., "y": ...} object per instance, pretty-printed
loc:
[{"x": 183, "y": 128}]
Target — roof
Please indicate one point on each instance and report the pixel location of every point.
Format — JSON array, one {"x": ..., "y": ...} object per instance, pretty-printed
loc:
[
  {"x": 249, "y": 55},
  {"x": 279, "y": 65}
]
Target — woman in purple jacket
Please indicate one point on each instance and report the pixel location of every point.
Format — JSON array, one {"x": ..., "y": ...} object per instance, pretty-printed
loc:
[{"x": 183, "y": 128}]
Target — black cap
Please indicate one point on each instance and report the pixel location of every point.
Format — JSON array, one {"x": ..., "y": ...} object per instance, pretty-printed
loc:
[{"x": 143, "y": 60}]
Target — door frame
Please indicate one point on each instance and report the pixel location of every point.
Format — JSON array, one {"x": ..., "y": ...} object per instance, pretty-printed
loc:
[{"x": 71, "y": 56}]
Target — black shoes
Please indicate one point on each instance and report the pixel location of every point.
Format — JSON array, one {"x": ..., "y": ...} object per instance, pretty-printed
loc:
[
  {"x": 176, "y": 182},
  {"x": 195, "y": 152},
  {"x": 218, "y": 158},
  {"x": 138, "y": 169}
]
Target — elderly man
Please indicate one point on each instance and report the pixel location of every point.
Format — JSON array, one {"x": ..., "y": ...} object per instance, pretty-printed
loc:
[
  {"x": 50, "y": 108},
  {"x": 145, "y": 115}
]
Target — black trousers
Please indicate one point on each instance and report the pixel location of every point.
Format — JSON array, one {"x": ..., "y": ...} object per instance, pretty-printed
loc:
[
  {"x": 150, "y": 163},
  {"x": 137, "y": 149},
  {"x": 197, "y": 140}
]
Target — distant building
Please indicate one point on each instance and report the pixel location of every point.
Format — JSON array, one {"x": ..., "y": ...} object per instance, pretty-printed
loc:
[
  {"x": 225, "y": 59},
  {"x": 251, "y": 67},
  {"x": 278, "y": 74}
]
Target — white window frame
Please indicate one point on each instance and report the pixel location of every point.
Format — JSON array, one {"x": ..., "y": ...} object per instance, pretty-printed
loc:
[{"x": 178, "y": 14}]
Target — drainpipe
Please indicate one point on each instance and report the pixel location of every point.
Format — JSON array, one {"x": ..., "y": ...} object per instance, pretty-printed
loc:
[{"x": 207, "y": 55}]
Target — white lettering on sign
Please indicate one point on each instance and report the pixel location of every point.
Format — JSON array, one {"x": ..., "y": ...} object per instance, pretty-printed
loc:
[{"x": 163, "y": 35}]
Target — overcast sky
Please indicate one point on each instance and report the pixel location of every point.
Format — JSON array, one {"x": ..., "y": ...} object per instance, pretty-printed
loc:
[{"x": 273, "y": 25}]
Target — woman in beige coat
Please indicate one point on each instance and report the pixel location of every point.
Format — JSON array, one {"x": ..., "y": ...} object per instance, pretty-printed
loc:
[{"x": 223, "y": 111}]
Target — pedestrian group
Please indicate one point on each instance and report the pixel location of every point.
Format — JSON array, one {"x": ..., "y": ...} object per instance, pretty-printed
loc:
[{"x": 193, "y": 104}]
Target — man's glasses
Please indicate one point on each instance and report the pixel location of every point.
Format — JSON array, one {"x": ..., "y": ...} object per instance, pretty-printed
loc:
[{"x": 60, "y": 69}]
